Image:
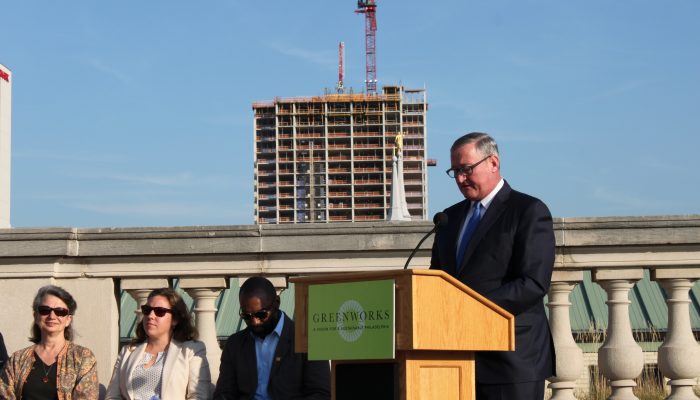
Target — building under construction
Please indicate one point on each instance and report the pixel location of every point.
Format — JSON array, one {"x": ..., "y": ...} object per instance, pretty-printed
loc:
[{"x": 328, "y": 158}]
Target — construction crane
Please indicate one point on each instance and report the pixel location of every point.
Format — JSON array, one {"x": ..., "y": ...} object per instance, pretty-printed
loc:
[
  {"x": 369, "y": 8},
  {"x": 340, "y": 87}
]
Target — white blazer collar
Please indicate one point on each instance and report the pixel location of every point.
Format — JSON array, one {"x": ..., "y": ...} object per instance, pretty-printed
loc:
[
  {"x": 170, "y": 359},
  {"x": 131, "y": 363}
]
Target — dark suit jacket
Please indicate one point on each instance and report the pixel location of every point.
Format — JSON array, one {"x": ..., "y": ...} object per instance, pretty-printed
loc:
[
  {"x": 292, "y": 376},
  {"x": 3, "y": 352},
  {"x": 509, "y": 260}
]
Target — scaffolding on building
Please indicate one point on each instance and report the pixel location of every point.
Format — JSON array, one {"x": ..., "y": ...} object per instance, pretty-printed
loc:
[{"x": 328, "y": 158}]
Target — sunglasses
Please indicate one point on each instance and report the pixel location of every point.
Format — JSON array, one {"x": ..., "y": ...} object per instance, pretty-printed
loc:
[
  {"x": 261, "y": 315},
  {"x": 160, "y": 311},
  {"x": 58, "y": 311}
]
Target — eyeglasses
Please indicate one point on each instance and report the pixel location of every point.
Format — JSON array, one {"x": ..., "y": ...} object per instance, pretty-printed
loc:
[
  {"x": 261, "y": 315},
  {"x": 465, "y": 170},
  {"x": 160, "y": 311},
  {"x": 58, "y": 311}
]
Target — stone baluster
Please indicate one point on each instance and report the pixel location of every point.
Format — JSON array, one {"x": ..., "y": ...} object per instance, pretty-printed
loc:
[
  {"x": 620, "y": 359},
  {"x": 569, "y": 357},
  {"x": 205, "y": 291},
  {"x": 679, "y": 355}
]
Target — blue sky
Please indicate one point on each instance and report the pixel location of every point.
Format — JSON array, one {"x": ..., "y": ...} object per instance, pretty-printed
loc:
[{"x": 138, "y": 113}]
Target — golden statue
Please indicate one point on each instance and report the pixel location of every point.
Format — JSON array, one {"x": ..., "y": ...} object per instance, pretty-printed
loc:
[{"x": 398, "y": 144}]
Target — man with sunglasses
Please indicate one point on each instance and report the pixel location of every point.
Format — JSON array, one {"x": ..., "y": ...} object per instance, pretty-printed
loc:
[
  {"x": 259, "y": 362},
  {"x": 500, "y": 242}
]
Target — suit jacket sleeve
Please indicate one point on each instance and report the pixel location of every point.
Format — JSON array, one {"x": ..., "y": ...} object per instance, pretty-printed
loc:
[
  {"x": 199, "y": 385},
  {"x": 443, "y": 251},
  {"x": 435, "y": 254},
  {"x": 3, "y": 352},
  {"x": 114, "y": 387},
  {"x": 436, "y": 262},
  {"x": 227, "y": 384},
  {"x": 532, "y": 261}
]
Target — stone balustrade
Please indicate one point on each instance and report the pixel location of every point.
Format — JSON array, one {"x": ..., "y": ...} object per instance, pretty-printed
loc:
[{"x": 96, "y": 265}]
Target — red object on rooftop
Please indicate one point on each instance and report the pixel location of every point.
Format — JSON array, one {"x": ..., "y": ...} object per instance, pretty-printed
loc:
[{"x": 369, "y": 8}]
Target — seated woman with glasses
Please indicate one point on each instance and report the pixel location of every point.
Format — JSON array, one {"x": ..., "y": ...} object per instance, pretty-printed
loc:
[
  {"x": 164, "y": 360},
  {"x": 53, "y": 367}
]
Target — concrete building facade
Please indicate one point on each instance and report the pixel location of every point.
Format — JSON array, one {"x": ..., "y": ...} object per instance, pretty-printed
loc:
[
  {"x": 5, "y": 144},
  {"x": 328, "y": 158}
]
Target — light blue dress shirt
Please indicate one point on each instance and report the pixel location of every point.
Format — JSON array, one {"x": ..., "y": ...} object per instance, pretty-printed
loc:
[{"x": 264, "y": 355}]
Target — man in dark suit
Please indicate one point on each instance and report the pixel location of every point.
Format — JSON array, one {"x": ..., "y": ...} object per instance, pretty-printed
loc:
[
  {"x": 259, "y": 362},
  {"x": 500, "y": 242}
]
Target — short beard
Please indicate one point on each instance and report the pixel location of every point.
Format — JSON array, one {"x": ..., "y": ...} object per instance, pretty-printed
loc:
[{"x": 268, "y": 326}]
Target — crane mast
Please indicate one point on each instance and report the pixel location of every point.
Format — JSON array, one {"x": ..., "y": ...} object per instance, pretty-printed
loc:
[
  {"x": 369, "y": 8},
  {"x": 341, "y": 70}
]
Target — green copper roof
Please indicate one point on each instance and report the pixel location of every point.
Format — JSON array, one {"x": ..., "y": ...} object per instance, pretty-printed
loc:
[{"x": 648, "y": 309}]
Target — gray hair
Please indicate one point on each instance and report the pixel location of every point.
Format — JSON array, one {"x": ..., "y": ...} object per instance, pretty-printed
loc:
[
  {"x": 485, "y": 144},
  {"x": 62, "y": 294}
]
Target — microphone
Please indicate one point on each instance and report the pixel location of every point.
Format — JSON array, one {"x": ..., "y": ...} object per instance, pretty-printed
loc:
[{"x": 440, "y": 219}]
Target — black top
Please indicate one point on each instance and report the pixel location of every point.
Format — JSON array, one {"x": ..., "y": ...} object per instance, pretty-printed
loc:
[{"x": 41, "y": 382}]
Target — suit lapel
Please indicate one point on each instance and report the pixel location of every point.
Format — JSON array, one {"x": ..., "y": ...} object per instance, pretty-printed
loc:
[
  {"x": 452, "y": 237},
  {"x": 496, "y": 208},
  {"x": 283, "y": 346},
  {"x": 170, "y": 360},
  {"x": 248, "y": 356},
  {"x": 134, "y": 359}
]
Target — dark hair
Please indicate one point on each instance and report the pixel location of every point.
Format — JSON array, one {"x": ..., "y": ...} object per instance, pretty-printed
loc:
[
  {"x": 184, "y": 330},
  {"x": 485, "y": 144},
  {"x": 61, "y": 294},
  {"x": 257, "y": 286}
]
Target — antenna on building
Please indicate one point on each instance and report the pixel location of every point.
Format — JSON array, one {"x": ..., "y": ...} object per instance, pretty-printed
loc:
[
  {"x": 341, "y": 69},
  {"x": 369, "y": 8}
]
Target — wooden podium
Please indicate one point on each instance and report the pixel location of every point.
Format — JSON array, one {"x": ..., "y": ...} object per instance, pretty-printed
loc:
[{"x": 440, "y": 322}]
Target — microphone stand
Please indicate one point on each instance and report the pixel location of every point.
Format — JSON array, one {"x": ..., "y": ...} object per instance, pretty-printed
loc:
[{"x": 439, "y": 219}]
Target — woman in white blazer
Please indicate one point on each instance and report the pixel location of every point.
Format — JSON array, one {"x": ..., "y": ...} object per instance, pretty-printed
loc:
[{"x": 164, "y": 361}]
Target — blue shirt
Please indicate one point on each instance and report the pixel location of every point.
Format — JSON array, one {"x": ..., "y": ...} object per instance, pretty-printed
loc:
[{"x": 264, "y": 356}]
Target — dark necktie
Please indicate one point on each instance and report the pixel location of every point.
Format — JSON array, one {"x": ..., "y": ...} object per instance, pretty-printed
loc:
[{"x": 468, "y": 232}]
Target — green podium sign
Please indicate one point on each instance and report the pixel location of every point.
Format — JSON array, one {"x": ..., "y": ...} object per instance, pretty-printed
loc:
[{"x": 351, "y": 321}]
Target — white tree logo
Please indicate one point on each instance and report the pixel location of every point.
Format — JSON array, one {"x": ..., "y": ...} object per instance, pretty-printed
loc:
[{"x": 351, "y": 330}]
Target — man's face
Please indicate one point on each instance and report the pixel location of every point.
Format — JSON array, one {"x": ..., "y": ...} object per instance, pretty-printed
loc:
[
  {"x": 483, "y": 178},
  {"x": 259, "y": 313}
]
